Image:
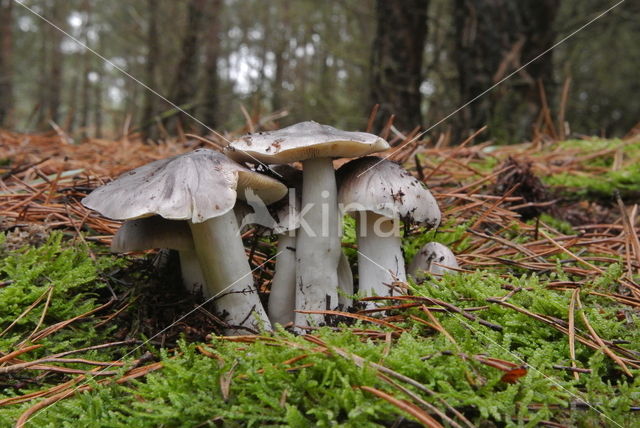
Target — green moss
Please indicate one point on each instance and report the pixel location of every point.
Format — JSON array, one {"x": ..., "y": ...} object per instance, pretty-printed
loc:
[
  {"x": 591, "y": 181},
  {"x": 188, "y": 392},
  {"x": 452, "y": 235},
  {"x": 322, "y": 390},
  {"x": 559, "y": 225},
  {"x": 72, "y": 278}
]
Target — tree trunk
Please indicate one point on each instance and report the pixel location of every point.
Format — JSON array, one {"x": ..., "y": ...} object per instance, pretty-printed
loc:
[
  {"x": 149, "y": 128},
  {"x": 6, "y": 63},
  {"x": 86, "y": 70},
  {"x": 494, "y": 38},
  {"x": 211, "y": 80},
  {"x": 396, "y": 60},
  {"x": 97, "y": 106},
  {"x": 183, "y": 88},
  {"x": 280, "y": 48},
  {"x": 54, "y": 84}
]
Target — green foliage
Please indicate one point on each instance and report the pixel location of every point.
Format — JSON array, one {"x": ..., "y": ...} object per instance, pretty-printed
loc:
[
  {"x": 597, "y": 179},
  {"x": 30, "y": 273},
  {"x": 559, "y": 225},
  {"x": 322, "y": 388},
  {"x": 626, "y": 181},
  {"x": 449, "y": 234}
]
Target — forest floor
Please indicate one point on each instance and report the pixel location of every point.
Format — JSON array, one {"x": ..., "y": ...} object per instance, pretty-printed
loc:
[{"x": 541, "y": 327}]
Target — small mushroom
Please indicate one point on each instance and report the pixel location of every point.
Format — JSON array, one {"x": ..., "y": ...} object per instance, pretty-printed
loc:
[
  {"x": 200, "y": 187},
  {"x": 382, "y": 193},
  {"x": 157, "y": 232},
  {"x": 318, "y": 239},
  {"x": 435, "y": 258}
]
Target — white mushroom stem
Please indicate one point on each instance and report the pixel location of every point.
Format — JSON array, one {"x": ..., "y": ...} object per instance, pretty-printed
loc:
[
  {"x": 192, "y": 276},
  {"x": 380, "y": 259},
  {"x": 318, "y": 242},
  {"x": 227, "y": 273},
  {"x": 282, "y": 299},
  {"x": 345, "y": 282}
]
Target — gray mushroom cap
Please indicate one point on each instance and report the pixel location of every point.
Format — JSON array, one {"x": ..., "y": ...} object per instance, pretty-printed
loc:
[
  {"x": 430, "y": 254},
  {"x": 302, "y": 141},
  {"x": 194, "y": 186},
  {"x": 152, "y": 232},
  {"x": 385, "y": 188}
]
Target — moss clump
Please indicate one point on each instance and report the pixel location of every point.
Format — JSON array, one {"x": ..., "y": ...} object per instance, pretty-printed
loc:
[
  {"x": 70, "y": 280},
  {"x": 594, "y": 182}
]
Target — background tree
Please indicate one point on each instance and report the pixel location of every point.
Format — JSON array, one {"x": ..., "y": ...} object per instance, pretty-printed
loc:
[
  {"x": 6, "y": 62},
  {"x": 184, "y": 85},
  {"x": 55, "y": 56},
  {"x": 494, "y": 38},
  {"x": 396, "y": 60},
  {"x": 209, "y": 110},
  {"x": 151, "y": 64}
]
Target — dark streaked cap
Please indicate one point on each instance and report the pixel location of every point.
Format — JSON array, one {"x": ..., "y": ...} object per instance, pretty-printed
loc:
[{"x": 385, "y": 188}]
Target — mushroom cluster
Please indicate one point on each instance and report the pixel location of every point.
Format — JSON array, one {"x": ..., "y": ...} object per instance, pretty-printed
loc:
[{"x": 197, "y": 203}]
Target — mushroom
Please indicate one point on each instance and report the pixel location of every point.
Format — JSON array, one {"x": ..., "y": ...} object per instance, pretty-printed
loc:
[
  {"x": 382, "y": 193},
  {"x": 435, "y": 258},
  {"x": 200, "y": 187},
  {"x": 282, "y": 299},
  {"x": 318, "y": 239},
  {"x": 156, "y": 232},
  {"x": 283, "y": 217}
]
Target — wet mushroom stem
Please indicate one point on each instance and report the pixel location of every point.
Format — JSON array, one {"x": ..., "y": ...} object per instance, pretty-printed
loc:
[
  {"x": 318, "y": 239},
  {"x": 220, "y": 251},
  {"x": 345, "y": 283},
  {"x": 283, "y": 220},
  {"x": 380, "y": 258},
  {"x": 282, "y": 299},
  {"x": 283, "y": 217}
]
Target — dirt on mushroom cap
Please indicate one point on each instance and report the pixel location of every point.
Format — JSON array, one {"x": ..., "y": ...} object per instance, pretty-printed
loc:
[{"x": 305, "y": 140}]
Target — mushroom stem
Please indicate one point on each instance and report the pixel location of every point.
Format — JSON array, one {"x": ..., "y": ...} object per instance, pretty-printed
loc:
[
  {"x": 192, "y": 276},
  {"x": 380, "y": 259},
  {"x": 227, "y": 273},
  {"x": 318, "y": 242},
  {"x": 282, "y": 299}
]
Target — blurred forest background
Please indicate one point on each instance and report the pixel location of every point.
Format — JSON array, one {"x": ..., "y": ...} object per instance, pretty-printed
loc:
[{"x": 330, "y": 61}]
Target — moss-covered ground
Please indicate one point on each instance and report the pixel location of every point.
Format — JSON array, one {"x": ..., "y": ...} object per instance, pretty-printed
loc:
[{"x": 498, "y": 353}]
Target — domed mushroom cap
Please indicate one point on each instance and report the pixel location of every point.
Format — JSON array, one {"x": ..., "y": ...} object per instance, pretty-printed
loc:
[
  {"x": 194, "y": 186},
  {"x": 302, "y": 141},
  {"x": 152, "y": 232},
  {"x": 384, "y": 187},
  {"x": 430, "y": 254}
]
